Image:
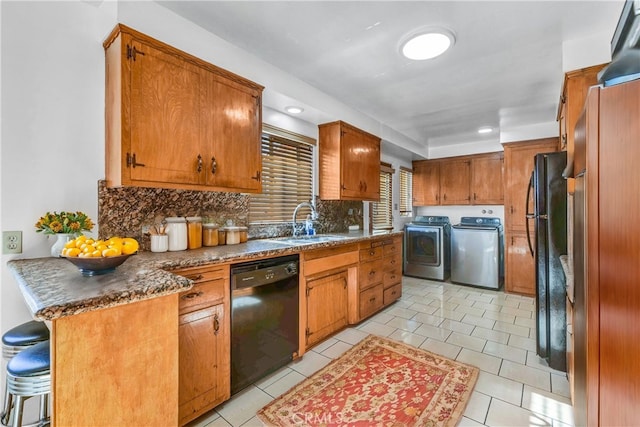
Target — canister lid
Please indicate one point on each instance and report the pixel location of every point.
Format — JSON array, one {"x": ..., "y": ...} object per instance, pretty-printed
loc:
[
  {"x": 175, "y": 219},
  {"x": 210, "y": 225},
  {"x": 233, "y": 228},
  {"x": 194, "y": 219}
]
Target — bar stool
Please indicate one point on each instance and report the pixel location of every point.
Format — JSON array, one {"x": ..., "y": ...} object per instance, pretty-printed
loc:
[
  {"x": 29, "y": 375},
  {"x": 15, "y": 340}
]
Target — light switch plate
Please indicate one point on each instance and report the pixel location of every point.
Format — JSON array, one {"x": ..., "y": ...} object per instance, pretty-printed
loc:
[{"x": 11, "y": 242}]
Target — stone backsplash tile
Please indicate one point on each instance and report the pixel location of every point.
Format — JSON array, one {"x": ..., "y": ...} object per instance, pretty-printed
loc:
[{"x": 127, "y": 211}]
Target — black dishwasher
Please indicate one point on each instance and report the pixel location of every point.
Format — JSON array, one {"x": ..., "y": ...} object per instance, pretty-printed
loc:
[{"x": 264, "y": 318}]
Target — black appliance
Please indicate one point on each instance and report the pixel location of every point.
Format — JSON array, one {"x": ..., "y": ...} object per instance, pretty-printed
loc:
[
  {"x": 625, "y": 48},
  {"x": 427, "y": 253},
  {"x": 548, "y": 189},
  {"x": 264, "y": 318}
]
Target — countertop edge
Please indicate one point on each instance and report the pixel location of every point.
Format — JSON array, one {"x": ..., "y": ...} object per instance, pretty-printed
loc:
[{"x": 52, "y": 288}]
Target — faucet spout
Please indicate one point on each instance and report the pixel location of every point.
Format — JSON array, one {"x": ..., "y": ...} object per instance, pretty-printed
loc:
[{"x": 314, "y": 215}]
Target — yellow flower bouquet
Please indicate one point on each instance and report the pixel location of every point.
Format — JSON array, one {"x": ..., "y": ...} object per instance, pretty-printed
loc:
[{"x": 64, "y": 223}]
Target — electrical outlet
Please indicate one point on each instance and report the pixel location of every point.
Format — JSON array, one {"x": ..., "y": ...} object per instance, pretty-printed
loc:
[{"x": 11, "y": 242}]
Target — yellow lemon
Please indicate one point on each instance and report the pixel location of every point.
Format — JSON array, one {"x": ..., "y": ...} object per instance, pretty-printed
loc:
[
  {"x": 110, "y": 252},
  {"x": 114, "y": 241},
  {"x": 101, "y": 247},
  {"x": 129, "y": 245},
  {"x": 73, "y": 252},
  {"x": 116, "y": 250},
  {"x": 96, "y": 254},
  {"x": 70, "y": 244}
]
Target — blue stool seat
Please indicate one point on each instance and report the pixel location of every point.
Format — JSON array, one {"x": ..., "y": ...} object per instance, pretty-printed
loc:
[
  {"x": 23, "y": 336},
  {"x": 32, "y": 361}
]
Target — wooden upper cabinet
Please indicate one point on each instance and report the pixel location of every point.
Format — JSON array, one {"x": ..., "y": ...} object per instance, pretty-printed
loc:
[
  {"x": 175, "y": 121},
  {"x": 235, "y": 159},
  {"x": 574, "y": 93},
  {"x": 518, "y": 168},
  {"x": 454, "y": 182},
  {"x": 487, "y": 185},
  {"x": 349, "y": 163},
  {"x": 426, "y": 183}
]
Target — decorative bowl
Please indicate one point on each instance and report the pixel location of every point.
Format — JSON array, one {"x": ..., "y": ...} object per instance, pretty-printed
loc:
[{"x": 97, "y": 266}]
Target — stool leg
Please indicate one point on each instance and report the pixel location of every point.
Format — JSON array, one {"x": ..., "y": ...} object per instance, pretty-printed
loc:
[
  {"x": 18, "y": 407},
  {"x": 6, "y": 411},
  {"x": 44, "y": 408}
]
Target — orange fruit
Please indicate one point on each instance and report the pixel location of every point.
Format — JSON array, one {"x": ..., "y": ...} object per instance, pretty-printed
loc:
[
  {"x": 109, "y": 252},
  {"x": 72, "y": 252}
]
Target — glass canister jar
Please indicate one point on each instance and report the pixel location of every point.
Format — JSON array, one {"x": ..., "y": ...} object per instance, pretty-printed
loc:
[
  {"x": 194, "y": 232},
  {"x": 177, "y": 232},
  {"x": 209, "y": 234}
]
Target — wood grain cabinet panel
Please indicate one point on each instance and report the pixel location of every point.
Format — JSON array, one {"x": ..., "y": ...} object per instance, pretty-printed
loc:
[
  {"x": 454, "y": 182},
  {"x": 371, "y": 300},
  {"x": 426, "y": 183},
  {"x": 349, "y": 163},
  {"x": 518, "y": 166},
  {"x": 204, "y": 341},
  {"x": 175, "y": 121},
  {"x": 326, "y": 305},
  {"x": 464, "y": 180},
  {"x": 487, "y": 186}
]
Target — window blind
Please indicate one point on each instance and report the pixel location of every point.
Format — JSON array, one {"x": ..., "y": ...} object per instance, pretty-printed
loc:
[
  {"x": 381, "y": 217},
  {"x": 406, "y": 191},
  {"x": 287, "y": 179}
]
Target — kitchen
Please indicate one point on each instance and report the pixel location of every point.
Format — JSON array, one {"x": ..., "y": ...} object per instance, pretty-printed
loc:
[{"x": 76, "y": 156}]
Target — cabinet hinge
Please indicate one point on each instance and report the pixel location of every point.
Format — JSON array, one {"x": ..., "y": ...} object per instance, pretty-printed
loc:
[
  {"x": 307, "y": 332},
  {"x": 308, "y": 291},
  {"x": 257, "y": 98},
  {"x": 132, "y": 52}
]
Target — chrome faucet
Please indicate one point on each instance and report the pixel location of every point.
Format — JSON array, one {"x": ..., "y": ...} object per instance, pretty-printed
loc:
[{"x": 314, "y": 215}]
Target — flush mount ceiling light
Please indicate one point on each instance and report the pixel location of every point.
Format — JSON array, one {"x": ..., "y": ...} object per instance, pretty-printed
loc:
[
  {"x": 485, "y": 129},
  {"x": 427, "y": 44},
  {"x": 293, "y": 109}
]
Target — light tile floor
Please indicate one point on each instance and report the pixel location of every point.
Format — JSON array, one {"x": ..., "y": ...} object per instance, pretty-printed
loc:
[{"x": 491, "y": 330}]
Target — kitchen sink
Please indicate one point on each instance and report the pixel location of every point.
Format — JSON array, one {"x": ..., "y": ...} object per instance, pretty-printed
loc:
[{"x": 308, "y": 240}]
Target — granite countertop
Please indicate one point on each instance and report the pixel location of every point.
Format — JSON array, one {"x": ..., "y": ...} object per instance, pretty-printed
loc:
[{"x": 54, "y": 288}]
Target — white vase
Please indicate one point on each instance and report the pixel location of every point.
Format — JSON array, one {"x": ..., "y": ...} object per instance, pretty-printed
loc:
[{"x": 58, "y": 246}]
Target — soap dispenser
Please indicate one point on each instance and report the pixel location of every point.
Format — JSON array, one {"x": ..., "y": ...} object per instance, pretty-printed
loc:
[{"x": 308, "y": 226}]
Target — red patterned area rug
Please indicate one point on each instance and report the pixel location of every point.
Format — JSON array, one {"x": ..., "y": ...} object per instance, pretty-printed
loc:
[{"x": 378, "y": 382}]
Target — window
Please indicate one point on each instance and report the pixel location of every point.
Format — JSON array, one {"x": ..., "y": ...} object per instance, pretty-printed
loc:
[
  {"x": 406, "y": 191},
  {"x": 381, "y": 217},
  {"x": 287, "y": 176}
]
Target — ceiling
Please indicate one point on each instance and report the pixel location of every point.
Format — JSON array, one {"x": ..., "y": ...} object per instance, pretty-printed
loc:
[{"x": 504, "y": 71}]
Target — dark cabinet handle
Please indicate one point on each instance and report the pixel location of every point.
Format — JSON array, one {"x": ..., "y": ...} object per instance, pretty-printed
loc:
[
  {"x": 214, "y": 165},
  {"x": 372, "y": 253},
  {"x": 131, "y": 161},
  {"x": 372, "y": 299},
  {"x": 192, "y": 295},
  {"x": 372, "y": 272},
  {"x": 196, "y": 278},
  {"x": 257, "y": 176},
  {"x": 199, "y": 169},
  {"x": 216, "y": 324}
]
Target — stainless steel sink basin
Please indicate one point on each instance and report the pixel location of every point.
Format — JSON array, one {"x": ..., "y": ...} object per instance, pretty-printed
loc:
[{"x": 308, "y": 240}]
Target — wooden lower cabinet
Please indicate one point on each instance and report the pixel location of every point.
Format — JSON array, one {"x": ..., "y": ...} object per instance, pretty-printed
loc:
[
  {"x": 201, "y": 358},
  {"x": 371, "y": 300},
  {"x": 326, "y": 305},
  {"x": 204, "y": 375},
  {"x": 520, "y": 265}
]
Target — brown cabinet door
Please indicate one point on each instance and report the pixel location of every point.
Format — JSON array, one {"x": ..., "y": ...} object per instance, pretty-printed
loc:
[
  {"x": 231, "y": 135},
  {"x": 426, "y": 183},
  {"x": 520, "y": 265},
  {"x": 454, "y": 182},
  {"x": 360, "y": 166},
  {"x": 486, "y": 180},
  {"x": 202, "y": 359},
  {"x": 518, "y": 169},
  {"x": 326, "y": 306},
  {"x": 164, "y": 117}
]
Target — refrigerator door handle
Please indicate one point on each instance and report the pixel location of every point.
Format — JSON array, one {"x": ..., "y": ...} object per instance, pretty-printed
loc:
[{"x": 529, "y": 215}]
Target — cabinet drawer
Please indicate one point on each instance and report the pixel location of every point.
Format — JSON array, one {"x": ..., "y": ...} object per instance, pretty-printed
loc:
[
  {"x": 394, "y": 247},
  {"x": 202, "y": 295},
  {"x": 391, "y": 278},
  {"x": 370, "y": 274},
  {"x": 371, "y": 300},
  {"x": 202, "y": 274},
  {"x": 390, "y": 263},
  {"x": 393, "y": 293},
  {"x": 370, "y": 253}
]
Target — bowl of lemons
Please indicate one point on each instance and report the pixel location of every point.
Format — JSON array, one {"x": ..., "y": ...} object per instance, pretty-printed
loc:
[{"x": 96, "y": 257}]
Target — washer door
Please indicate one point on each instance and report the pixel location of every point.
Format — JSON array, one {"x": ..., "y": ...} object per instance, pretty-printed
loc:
[{"x": 424, "y": 245}]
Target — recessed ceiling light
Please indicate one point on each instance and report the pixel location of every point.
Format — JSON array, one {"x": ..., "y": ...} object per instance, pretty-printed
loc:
[
  {"x": 294, "y": 110},
  {"x": 427, "y": 44},
  {"x": 485, "y": 129}
]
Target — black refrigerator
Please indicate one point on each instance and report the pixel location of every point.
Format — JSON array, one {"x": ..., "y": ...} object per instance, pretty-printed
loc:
[{"x": 548, "y": 192}]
